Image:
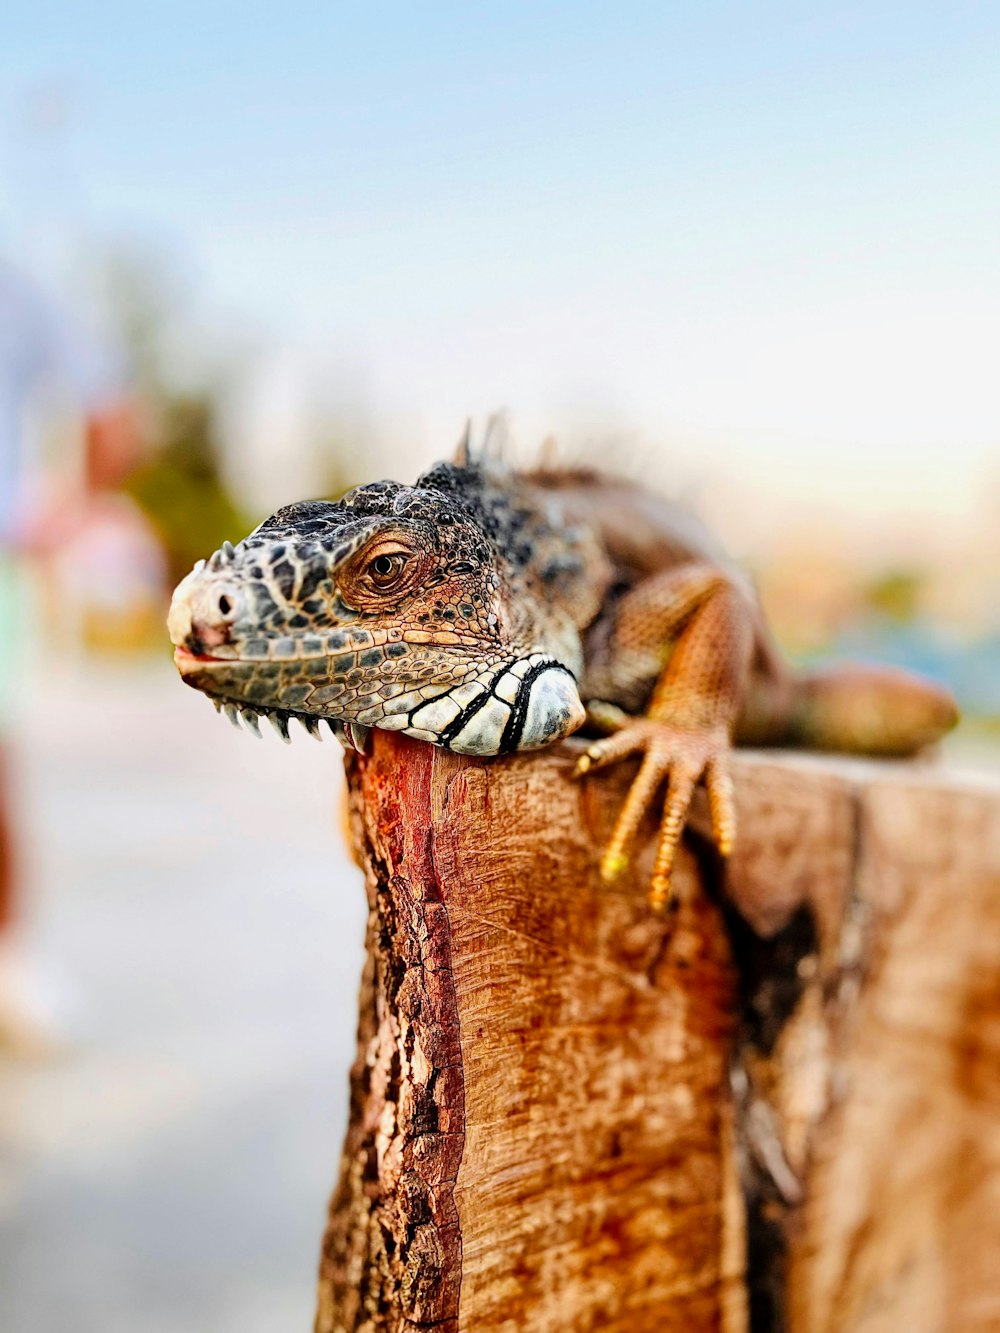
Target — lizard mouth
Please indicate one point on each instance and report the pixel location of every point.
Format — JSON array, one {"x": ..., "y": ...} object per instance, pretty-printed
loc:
[
  {"x": 185, "y": 660},
  {"x": 191, "y": 665}
]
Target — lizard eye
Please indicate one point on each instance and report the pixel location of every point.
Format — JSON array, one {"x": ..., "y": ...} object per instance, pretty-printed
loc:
[
  {"x": 389, "y": 568},
  {"x": 384, "y": 570}
]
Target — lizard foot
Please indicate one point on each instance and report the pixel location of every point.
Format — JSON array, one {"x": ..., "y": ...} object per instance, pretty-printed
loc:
[{"x": 682, "y": 758}]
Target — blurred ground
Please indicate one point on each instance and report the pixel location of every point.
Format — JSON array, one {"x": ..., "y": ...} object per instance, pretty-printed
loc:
[{"x": 172, "y": 1172}]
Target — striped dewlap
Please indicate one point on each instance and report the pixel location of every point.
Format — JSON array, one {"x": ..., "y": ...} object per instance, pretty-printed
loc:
[{"x": 524, "y": 705}]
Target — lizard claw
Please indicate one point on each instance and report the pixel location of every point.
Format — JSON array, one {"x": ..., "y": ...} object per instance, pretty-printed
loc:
[{"x": 681, "y": 758}]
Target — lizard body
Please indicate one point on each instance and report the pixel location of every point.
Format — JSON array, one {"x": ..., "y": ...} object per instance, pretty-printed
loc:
[{"x": 482, "y": 609}]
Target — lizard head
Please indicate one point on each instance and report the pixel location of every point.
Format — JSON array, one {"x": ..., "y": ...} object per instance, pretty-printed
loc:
[{"x": 394, "y": 607}]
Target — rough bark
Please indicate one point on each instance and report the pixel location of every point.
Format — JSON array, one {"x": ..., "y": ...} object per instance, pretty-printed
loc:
[{"x": 776, "y": 1109}]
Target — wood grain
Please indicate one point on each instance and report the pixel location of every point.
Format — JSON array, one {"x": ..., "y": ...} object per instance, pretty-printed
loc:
[{"x": 777, "y": 1108}]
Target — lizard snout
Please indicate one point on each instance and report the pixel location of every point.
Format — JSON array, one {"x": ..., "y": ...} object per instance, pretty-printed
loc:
[{"x": 202, "y": 612}]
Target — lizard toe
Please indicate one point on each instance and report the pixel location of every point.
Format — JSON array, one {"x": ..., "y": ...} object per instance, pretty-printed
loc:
[{"x": 679, "y": 758}]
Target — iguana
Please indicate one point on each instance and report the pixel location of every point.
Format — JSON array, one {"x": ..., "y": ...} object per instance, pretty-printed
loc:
[{"x": 490, "y": 611}]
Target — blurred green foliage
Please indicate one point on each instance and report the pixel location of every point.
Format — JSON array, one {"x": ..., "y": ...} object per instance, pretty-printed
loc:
[
  {"x": 179, "y": 486},
  {"x": 896, "y": 595},
  {"x": 180, "y": 489}
]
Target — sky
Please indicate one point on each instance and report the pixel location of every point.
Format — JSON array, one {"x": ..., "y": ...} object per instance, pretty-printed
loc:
[{"x": 751, "y": 241}]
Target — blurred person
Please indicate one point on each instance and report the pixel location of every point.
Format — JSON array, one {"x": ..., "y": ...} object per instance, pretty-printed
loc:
[{"x": 45, "y": 361}]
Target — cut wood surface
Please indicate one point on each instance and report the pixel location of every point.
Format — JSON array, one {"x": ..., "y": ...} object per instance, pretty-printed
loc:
[{"x": 776, "y": 1108}]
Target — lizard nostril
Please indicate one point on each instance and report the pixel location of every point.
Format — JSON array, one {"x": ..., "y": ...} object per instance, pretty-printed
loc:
[{"x": 225, "y": 605}]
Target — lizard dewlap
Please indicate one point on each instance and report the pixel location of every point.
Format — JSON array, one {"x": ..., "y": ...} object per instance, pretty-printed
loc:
[{"x": 481, "y": 608}]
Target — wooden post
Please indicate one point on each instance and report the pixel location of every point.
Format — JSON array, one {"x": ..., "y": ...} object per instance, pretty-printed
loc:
[{"x": 777, "y": 1108}]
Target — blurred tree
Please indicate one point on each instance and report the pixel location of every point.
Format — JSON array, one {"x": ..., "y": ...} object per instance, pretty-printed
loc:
[
  {"x": 186, "y": 392},
  {"x": 180, "y": 487},
  {"x": 895, "y": 594},
  {"x": 339, "y": 448}
]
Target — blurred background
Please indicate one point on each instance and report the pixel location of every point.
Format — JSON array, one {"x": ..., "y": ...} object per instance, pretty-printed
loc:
[{"x": 747, "y": 253}]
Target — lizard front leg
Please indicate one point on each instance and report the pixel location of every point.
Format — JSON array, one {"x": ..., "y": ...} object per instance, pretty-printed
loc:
[{"x": 690, "y": 629}]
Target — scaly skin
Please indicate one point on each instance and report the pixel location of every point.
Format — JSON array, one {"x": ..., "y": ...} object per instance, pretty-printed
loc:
[{"x": 481, "y": 609}]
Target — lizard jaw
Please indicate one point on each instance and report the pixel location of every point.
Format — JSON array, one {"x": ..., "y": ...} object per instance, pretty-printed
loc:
[
  {"x": 188, "y": 662},
  {"x": 352, "y": 735},
  {"x": 523, "y": 704}
]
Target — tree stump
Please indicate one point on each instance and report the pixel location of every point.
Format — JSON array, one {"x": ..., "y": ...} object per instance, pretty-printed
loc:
[{"x": 776, "y": 1108}]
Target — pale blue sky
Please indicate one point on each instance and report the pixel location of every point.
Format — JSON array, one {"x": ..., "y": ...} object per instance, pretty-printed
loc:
[{"x": 765, "y": 236}]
